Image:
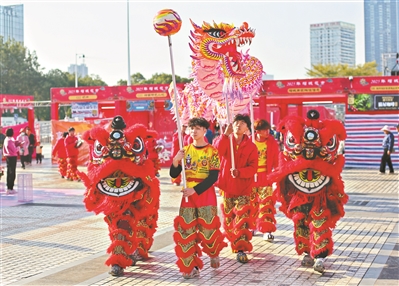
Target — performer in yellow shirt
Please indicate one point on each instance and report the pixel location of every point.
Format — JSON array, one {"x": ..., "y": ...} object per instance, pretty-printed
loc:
[{"x": 197, "y": 226}]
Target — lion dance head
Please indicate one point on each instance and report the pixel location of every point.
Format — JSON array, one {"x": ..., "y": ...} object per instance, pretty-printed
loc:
[
  {"x": 309, "y": 183},
  {"x": 120, "y": 183}
]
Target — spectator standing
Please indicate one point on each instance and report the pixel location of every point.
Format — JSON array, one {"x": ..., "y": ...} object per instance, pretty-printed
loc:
[
  {"x": 10, "y": 151},
  {"x": 32, "y": 144},
  {"x": 59, "y": 151},
  {"x": 236, "y": 184},
  {"x": 2, "y": 137},
  {"x": 387, "y": 145},
  {"x": 39, "y": 155},
  {"x": 71, "y": 146},
  {"x": 23, "y": 140}
]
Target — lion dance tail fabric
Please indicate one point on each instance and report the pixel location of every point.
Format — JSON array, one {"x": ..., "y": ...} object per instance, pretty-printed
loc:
[
  {"x": 309, "y": 183},
  {"x": 120, "y": 184}
]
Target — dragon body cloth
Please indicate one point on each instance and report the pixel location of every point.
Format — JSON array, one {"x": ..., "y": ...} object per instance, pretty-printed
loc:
[
  {"x": 309, "y": 183},
  {"x": 120, "y": 183},
  {"x": 219, "y": 71}
]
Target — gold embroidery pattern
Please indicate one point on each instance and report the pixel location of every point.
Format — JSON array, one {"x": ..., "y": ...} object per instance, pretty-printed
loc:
[
  {"x": 207, "y": 213},
  {"x": 319, "y": 223}
]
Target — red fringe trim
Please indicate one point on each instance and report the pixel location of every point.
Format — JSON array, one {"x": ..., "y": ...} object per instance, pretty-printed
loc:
[
  {"x": 120, "y": 260},
  {"x": 180, "y": 221},
  {"x": 187, "y": 269}
]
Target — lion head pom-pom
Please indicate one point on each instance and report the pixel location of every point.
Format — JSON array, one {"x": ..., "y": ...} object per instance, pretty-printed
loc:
[{"x": 167, "y": 22}]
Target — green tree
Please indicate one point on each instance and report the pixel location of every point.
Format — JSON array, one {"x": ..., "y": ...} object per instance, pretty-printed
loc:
[
  {"x": 20, "y": 72},
  {"x": 331, "y": 70},
  {"x": 156, "y": 78}
]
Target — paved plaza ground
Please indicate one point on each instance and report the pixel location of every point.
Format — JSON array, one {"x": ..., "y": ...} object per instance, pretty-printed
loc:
[{"x": 52, "y": 240}]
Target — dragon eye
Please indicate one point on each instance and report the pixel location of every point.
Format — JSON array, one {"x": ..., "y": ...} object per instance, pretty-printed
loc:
[
  {"x": 97, "y": 148},
  {"x": 138, "y": 145},
  {"x": 216, "y": 33},
  {"x": 332, "y": 143}
]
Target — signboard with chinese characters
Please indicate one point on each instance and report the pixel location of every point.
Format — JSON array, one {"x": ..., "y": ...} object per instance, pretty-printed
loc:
[
  {"x": 84, "y": 109},
  {"x": 110, "y": 93},
  {"x": 375, "y": 85},
  {"x": 305, "y": 86},
  {"x": 386, "y": 102},
  {"x": 370, "y": 102},
  {"x": 143, "y": 105}
]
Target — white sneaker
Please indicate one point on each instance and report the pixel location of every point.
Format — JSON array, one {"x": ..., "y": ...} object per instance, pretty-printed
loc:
[
  {"x": 319, "y": 265},
  {"x": 194, "y": 273},
  {"x": 268, "y": 237}
]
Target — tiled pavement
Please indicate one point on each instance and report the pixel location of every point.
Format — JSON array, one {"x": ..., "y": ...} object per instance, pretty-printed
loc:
[{"x": 54, "y": 241}]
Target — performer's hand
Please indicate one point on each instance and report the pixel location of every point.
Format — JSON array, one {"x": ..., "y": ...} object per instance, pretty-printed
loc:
[
  {"x": 229, "y": 129},
  {"x": 388, "y": 152},
  {"x": 179, "y": 156},
  {"x": 234, "y": 173},
  {"x": 187, "y": 192}
]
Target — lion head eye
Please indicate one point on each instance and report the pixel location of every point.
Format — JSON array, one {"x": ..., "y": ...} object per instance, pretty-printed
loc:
[
  {"x": 138, "y": 145},
  {"x": 290, "y": 140},
  {"x": 97, "y": 148},
  {"x": 332, "y": 143}
]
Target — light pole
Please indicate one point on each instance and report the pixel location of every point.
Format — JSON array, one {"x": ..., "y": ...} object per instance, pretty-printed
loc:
[
  {"x": 76, "y": 67},
  {"x": 128, "y": 47}
]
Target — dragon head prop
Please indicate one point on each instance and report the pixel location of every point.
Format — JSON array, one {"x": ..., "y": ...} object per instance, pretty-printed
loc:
[
  {"x": 118, "y": 172},
  {"x": 219, "y": 42},
  {"x": 219, "y": 71},
  {"x": 310, "y": 158}
]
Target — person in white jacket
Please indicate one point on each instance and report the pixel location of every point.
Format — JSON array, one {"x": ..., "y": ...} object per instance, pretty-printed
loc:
[{"x": 23, "y": 139}]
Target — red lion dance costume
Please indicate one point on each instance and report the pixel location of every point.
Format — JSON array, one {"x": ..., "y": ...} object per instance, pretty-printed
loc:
[
  {"x": 309, "y": 183},
  {"x": 120, "y": 183}
]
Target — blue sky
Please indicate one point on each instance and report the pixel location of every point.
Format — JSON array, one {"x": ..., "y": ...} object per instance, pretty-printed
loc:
[{"x": 58, "y": 30}]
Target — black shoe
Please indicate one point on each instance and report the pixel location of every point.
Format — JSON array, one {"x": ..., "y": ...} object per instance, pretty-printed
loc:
[
  {"x": 62, "y": 177},
  {"x": 116, "y": 270},
  {"x": 242, "y": 257}
]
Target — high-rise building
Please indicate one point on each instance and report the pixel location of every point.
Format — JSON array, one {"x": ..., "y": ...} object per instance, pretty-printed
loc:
[
  {"x": 81, "y": 70},
  {"x": 381, "y": 27},
  {"x": 332, "y": 43},
  {"x": 12, "y": 23}
]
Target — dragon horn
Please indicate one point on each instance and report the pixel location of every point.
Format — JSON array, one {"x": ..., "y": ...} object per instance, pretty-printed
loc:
[{"x": 196, "y": 27}]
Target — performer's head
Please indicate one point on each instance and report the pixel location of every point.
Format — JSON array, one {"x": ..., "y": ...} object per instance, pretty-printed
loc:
[
  {"x": 198, "y": 127},
  {"x": 64, "y": 134},
  {"x": 10, "y": 132},
  {"x": 262, "y": 129},
  {"x": 71, "y": 131},
  {"x": 241, "y": 124}
]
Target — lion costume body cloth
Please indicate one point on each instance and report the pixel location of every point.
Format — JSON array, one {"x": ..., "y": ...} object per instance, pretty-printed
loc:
[
  {"x": 309, "y": 183},
  {"x": 120, "y": 184}
]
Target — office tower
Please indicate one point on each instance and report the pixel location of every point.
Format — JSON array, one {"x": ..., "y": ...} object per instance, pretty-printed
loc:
[
  {"x": 332, "y": 43},
  {"x": 381, "y": 27},
  {"x": 12, "y": 23},
  {"x": 81, "y": 70}
]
